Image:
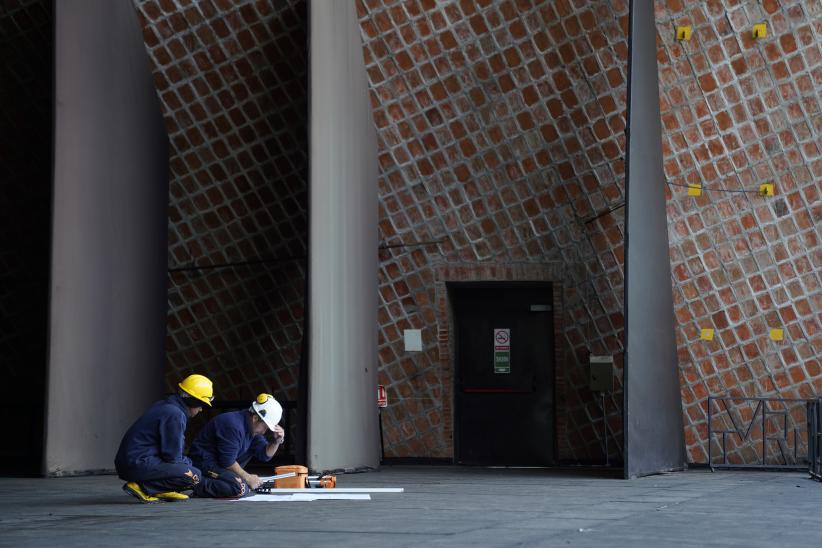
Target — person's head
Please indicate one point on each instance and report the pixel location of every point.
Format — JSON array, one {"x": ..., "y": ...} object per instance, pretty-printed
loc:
[
  {"x": 265, "y": 412},
  {"x": 196, "y": 390}
]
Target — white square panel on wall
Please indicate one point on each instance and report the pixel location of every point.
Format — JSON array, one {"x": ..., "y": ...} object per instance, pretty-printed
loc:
[{"x": 413, "y": 340}]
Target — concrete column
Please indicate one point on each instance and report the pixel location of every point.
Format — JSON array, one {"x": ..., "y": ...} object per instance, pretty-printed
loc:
[
  {"x": 108, "y": 286},
  {"x": 343, "y": 429},
  {"x": 653, "y": 413}
]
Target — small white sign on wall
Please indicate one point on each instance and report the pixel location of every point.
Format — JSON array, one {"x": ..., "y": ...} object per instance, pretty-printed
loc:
[
  {"x": 413, "y": 340},
  {"x": 502, "y": 351}
]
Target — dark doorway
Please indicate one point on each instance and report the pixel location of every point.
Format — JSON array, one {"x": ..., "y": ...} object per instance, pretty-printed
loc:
[
  {"x": 26, "y": 113},
  {"x": 504, "y": 373}
]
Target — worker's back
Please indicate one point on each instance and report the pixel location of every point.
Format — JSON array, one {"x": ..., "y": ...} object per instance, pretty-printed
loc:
[{"x": 157, "y": 436}]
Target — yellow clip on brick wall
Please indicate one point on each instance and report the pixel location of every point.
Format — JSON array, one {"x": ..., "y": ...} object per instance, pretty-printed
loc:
[
  {"x": 706, "y": 334},
  {"x": 760, "y": 30},
  {"x": 694, "y": 189},
  {"x": 777, "y": 334},
  {"x": 683, "y": 33},
  {"x": 766, "y": 189}
]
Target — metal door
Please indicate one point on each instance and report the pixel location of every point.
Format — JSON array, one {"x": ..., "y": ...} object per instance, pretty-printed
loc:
[{"x": 504, "y": 401}]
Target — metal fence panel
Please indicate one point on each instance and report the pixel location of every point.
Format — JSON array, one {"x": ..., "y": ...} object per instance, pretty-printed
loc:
[{"x": 763, "y": 433}]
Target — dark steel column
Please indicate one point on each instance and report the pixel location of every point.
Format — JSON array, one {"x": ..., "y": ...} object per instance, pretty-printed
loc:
[{"x": 653, "y": 414}]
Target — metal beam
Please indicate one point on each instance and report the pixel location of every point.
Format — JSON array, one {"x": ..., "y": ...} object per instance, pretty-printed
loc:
[
  {"x": 108, "y": 283},
  {"x": 343, "y": 430},
  {"x": 653, "y": 415}
]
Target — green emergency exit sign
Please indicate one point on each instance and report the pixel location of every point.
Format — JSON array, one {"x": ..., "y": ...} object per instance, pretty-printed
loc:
[{"x": 502, "y": 351}]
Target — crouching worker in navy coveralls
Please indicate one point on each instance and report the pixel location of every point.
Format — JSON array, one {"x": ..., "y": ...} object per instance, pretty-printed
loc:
[
  {"x": 227, "y": 443},
  {"x": 151, "y": 457}
]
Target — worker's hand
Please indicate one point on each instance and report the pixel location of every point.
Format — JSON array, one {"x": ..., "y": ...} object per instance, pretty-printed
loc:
[
  {"x": 279, "y": 435},
  {"x": 253, "y": 481}
]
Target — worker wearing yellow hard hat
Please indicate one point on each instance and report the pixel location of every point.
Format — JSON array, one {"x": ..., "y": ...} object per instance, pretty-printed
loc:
[
  {"x": 150, "y": 458},
  {"x": 228, "y": 442}
]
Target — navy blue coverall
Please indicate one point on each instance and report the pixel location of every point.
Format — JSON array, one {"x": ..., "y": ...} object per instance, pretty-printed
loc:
[
  {"x": 226, "y": 439},
  {"x": 151, "y": 453}
]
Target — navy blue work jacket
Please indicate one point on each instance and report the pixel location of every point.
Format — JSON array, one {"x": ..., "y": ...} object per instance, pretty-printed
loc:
[
  {"x": 227, "y": 439},
  {"x": 156, "y": 437}
]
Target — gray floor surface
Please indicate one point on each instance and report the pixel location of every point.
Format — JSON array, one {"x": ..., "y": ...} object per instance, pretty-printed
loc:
[{"x": 441, "y": 506}]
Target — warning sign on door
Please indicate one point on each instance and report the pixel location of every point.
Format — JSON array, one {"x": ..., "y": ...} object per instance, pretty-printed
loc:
[{"x": 502, "y": 350}]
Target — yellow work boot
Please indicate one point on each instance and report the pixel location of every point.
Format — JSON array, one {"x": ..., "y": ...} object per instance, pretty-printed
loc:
[
  {"x": 171, "y": 496},
  {"x": 135, "y": 491}
]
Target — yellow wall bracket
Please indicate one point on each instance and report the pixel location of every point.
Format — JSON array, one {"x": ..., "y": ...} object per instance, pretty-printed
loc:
[
  {"x": 766, "y": 189},
  {"x": 684, "y": 33},
  {"x": 760, "y": 30},
  {"x": 694, "y": 189},
  {"x": 777, "y": 334},
  {"x": 706, "y": 334}
]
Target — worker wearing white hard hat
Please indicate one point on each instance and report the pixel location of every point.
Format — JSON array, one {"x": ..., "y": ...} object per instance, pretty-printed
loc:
[{"x": 224, "y": 446}]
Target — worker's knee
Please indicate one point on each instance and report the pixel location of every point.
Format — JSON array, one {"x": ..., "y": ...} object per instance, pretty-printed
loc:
[
  {"x": 234, "y": 487},
  {"x": 221, "y": 485}
]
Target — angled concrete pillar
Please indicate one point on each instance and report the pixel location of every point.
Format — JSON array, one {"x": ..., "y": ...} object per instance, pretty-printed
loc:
[
  {"x": 653, "y": 414},
  {"x": 108, "y": 281},
  {"x": 343, "y": 429}
]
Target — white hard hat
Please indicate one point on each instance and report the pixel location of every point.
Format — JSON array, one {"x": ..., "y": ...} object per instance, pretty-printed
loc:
[{"x": 268, "y": 409}]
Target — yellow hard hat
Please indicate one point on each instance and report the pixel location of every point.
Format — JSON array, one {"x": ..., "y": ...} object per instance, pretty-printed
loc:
[{"x": 198, "y": 386}]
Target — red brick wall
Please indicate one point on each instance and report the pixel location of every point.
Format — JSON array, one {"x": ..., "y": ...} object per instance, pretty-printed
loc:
[
  {"x": 500, "y": 127},
  {"x": 738, "y": 112},
  {"x": 500, "y": 134},
  {"x": 232, "y": 79}
]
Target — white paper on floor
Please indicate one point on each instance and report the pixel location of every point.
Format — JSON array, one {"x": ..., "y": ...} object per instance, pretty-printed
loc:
[
  {"x": 300, "y": 497},
  {"x": 283, "y": 490}
]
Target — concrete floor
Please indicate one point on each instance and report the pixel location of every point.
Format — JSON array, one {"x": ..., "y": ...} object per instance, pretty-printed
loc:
[{"x": 441, "y": 506}]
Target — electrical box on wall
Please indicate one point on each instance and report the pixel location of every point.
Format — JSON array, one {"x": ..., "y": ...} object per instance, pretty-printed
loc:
[{"x": 601, "y": 373}]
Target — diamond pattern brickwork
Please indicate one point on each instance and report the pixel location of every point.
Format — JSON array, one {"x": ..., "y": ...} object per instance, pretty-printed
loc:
[
  {"x": 738, "y": 112},
  {"x": 500, "y": 140},
  {"x": 231, "y": 77},
  {"x": 500, "y": 127}
]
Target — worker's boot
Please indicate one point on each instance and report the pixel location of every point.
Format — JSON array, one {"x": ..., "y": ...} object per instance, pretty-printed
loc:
[
  {"x": 134, "y": 489},
  {"x": 171, "y": 496}
]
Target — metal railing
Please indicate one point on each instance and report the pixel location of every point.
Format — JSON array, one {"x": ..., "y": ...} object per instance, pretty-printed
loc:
[
  {"x": 815, "y": 439},
  {"x": 758, "y": 429}
]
